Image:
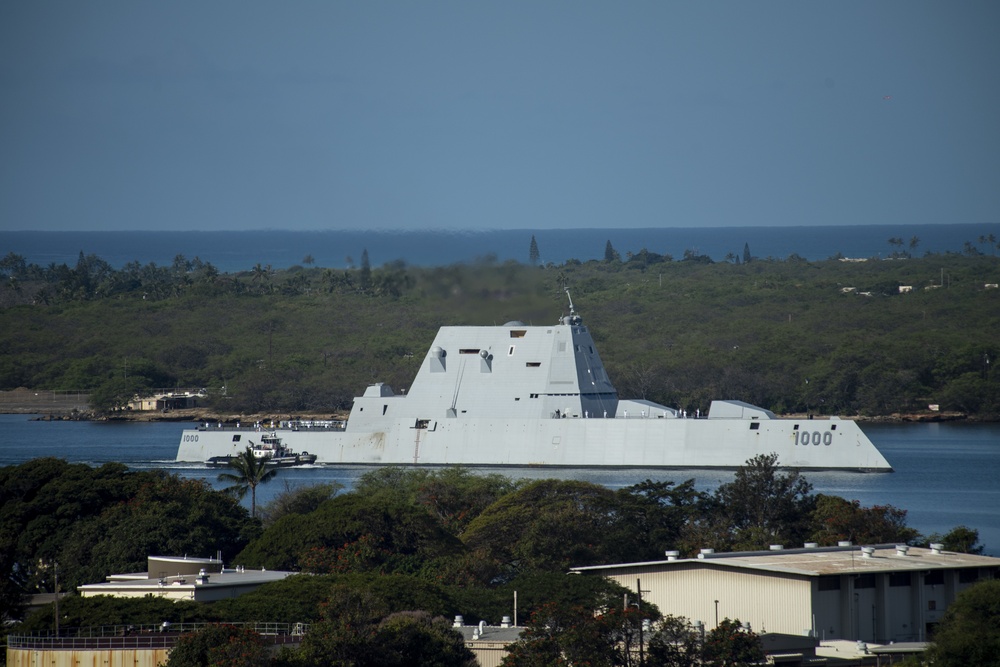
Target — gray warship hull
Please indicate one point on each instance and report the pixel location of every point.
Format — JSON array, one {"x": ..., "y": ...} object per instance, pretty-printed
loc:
[{"x": 518, "y": 395}]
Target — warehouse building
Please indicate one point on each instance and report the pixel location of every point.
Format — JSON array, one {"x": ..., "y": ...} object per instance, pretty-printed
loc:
[{"x": 879, "y": 594}]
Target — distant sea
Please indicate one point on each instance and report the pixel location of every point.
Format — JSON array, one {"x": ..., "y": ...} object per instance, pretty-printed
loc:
[{"x": 231, "y": 251}]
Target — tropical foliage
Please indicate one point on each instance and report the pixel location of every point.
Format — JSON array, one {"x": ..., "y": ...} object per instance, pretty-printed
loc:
[
  {"x": 385, "y": 563},
  {"x": 248, "y": 472},
  {"x": 790, "y": 335}
]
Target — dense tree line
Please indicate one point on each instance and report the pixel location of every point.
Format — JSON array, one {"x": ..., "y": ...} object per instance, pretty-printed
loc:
[
  {"x": 790, "y": 335},
  {"x": 383, "y": 564}
]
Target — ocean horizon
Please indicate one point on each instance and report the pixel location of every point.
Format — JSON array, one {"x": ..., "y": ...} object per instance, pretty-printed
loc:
[{"x": 234, "y": 251}]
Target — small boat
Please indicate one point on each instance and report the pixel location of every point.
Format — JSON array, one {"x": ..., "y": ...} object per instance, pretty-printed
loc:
[{"x": 268, "y": 448}]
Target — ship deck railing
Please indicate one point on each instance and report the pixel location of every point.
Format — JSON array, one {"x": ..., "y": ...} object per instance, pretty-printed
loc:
[{"x": 293, "y": 425}]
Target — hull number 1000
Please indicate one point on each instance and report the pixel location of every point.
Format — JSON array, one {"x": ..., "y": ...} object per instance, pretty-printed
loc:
[{"x": 813, "y": 438}]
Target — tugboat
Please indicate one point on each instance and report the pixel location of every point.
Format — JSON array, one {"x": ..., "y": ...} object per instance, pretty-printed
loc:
[{"x": 270, "y": 449}]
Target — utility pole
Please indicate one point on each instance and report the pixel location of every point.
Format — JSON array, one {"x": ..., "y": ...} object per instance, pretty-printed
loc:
[
  {"x": 638, "y": 592},
  {"x": 55, "y": 569}
]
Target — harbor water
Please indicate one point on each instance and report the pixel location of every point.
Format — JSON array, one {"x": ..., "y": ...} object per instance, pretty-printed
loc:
[{"x": 946, "y": 474}]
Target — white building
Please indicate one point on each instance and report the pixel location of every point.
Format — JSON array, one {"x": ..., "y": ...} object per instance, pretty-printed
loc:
[
  {"x": 878, "y": 594},
  {"x": 183, "y": 578}
]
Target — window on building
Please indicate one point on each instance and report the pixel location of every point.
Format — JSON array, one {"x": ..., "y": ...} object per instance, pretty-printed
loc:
[
  {"x": 517, "y": 333},
  {"x": 755, "y": 426},
  {"x": 829, "y": 583},
  {"x": 899, "y": 579},
  {"x": 865, "y": 581},
  {"x": 968, "y": 576},
  {"x": 935, "y": 578}
]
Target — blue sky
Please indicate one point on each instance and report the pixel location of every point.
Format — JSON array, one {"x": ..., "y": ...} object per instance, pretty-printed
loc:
[{"x": 481, "y": 115}]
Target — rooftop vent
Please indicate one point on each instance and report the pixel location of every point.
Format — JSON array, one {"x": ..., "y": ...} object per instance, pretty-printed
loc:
[
  {"x": 866, "y": 552},
  {"x": 844, "y": 543},
  {"x": 505, "y": 622},
  {"x": 706, "y": 552},
  {"x": 777, "y": 547},
  {"x": 673, "y": 555},
  {"x": 937, "y": 548},
  {"x": 459, "y": 622},
  {"x": 811, "y": 545},
  {"x": 902, "y": 549}
]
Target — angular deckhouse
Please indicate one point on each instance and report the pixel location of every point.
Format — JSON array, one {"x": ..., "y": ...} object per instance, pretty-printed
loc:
[{"x": 521, "y": 395}]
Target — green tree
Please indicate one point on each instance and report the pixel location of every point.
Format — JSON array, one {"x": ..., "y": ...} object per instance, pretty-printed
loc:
[
  {"x": 419, "y": 638},
  {"x": 837, "y": 519},
  {"x": 81, "y": 612},
  {"x": 98, "y": 521},
  {"x": 961, "y": 539},
  {"x": 250, "y": 472},
  {"x": 366, "y": 271},
  {"x": 732, "y": 645},
  {"x": 358, "y": 629},
  {"x": 352, "y": 532},
  {"x": 969, "y": 633},
  {"x": 764, "y": 506},
  {"x": 219, "y": 646},
  {"x": 533, "y": 254},
  {"x": 577, "y": 635},
  {"x": 674, "y": 643},
  {"x": 300, "y": 500},
  {"x": 547, "y": 525},
  {"x": 610, "y": 254}
]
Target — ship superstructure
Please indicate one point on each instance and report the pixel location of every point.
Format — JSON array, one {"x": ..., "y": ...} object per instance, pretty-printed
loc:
[{"x": 524, "y": 395}]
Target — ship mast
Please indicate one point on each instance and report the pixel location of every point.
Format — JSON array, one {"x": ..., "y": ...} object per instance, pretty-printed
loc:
[{"x": 572, "y": 318}]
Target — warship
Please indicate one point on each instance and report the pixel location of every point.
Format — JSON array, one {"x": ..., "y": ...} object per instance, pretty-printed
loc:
[{"x": 520, "y": 395}]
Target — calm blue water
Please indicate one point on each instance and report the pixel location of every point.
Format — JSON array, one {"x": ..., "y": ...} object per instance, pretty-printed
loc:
[
  {"x": 946, "y": 474},
  {"x": 240, "y": 251}
]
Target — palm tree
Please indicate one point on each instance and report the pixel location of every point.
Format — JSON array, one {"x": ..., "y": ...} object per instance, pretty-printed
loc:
[{"x": 249, "y": 472}]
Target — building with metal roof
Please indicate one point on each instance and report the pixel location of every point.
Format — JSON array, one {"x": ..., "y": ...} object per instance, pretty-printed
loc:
[
  {"x": 184, "y": 578},
  {"x": 880, "y": 594}
]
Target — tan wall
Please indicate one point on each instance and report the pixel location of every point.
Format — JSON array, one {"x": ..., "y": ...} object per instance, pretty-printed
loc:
[
  {"x": 104, "y": 658},
  {"x": 488, "y": 654},
  {"x": 770, "y": 603}
]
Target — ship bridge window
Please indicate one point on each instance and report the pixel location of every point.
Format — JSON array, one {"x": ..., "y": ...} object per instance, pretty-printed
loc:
[
  {"x": 755, "y": 426},
  {"x": 236, "y": 437},
  {"x": 422, "y": 423},
  {"x": 469, "y": 350},
  {"x": 795, "y": 427},
  {"x": 533, "y": 364},
  {"x": 833, "y": 428},
  {"x": 517, "y": 333}
]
